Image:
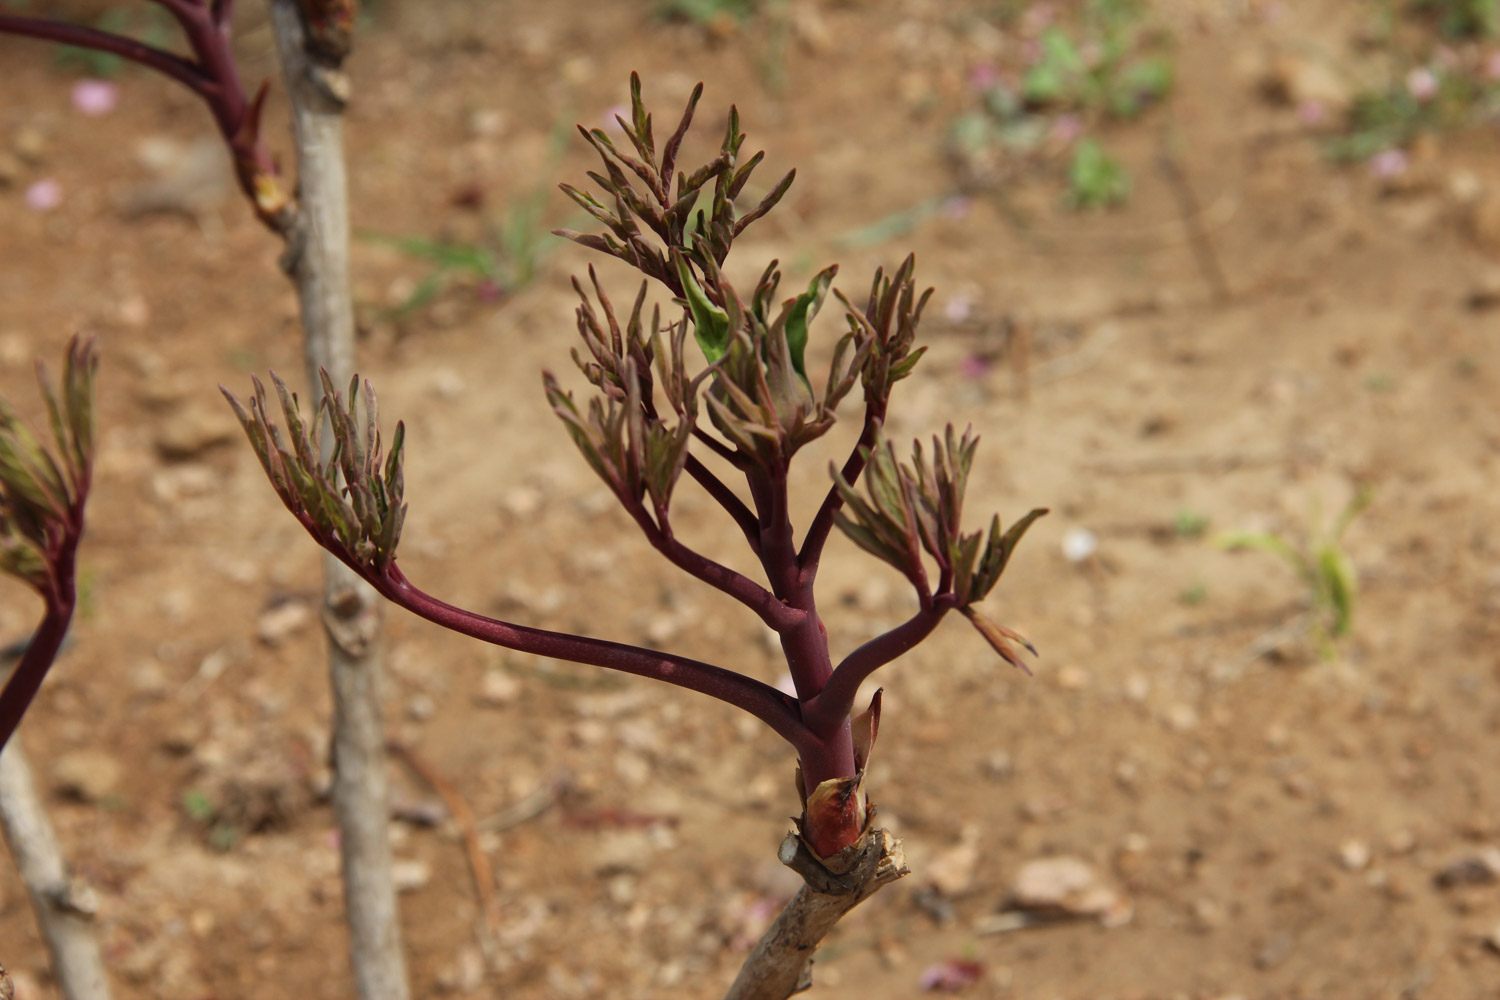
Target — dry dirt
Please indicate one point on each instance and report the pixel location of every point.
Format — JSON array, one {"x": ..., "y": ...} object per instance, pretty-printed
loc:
[{"x": 1276, "y": 822}]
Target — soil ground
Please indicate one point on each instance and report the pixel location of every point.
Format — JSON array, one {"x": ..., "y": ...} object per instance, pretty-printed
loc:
[{"x": 1275, "y": 821}]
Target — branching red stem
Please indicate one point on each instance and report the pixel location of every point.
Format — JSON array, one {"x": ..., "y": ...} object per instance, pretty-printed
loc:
[
  {"x": 83, "y": 37},
  {"x": 831, "y": 707},
  {"x": 743, "y": 589},
  {"x": 48, "y": 638},
  {"x": 822, "y": 522},
  {"x": 726, "y": 498},
  {"x": 775, "y": 709}
]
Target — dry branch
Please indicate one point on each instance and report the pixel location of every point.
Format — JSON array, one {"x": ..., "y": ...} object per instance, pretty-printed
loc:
[
  {"x": 64, "y": 910},
  {"x": 317, "y": 261},
  {"x": 479, "y": 863},
  {"x": 782, "y": 961}
]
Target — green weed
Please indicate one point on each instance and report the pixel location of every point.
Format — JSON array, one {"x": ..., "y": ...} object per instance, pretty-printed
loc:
[
  {"x": 1462, "y": 18},
  {"x": 1110, "y": 65},
  {"x": 1096, "y": 179},
  {"x": 1320, "y": 562}
]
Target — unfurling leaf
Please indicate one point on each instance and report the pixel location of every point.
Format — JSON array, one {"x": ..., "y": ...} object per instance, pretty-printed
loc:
[
  {"x": 1000, "y": 638},
  {"x": 835, "y": 815},
  {"x": 1338, "y": 581},
  {"x": 710, "y": 322},
  {"x": 997, "y": 553},
  {"x": 43, "y": 487},
  {"x": 352, "y": 502},
  {"x": 800, "y": 313},
  {"x": 866, "y": 728}
]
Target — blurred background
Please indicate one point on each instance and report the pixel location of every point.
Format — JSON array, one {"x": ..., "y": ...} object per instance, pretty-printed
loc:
[{"x": 1215, "y": 281}]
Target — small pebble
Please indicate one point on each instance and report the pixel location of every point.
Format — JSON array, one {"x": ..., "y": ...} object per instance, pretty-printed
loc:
[
  {"x": 86, "y": 775},
  {"x": 1182, "y": 717},
  {"x": 283, "y": 620},
  {"x": 498, "y": 689},
  {"x": 192, "y": 431},
  {"x": 29, "y": 144},
  {"x": 1078, "y": 544},
  {"x": 410, "y": 874},
  {"x": 1354, "y": 855},
  {"x": 998, "y": 765},
  {"x": 1476, "y": 869}
]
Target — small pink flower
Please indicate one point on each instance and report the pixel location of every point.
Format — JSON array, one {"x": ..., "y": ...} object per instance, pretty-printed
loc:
[
  {"x": 958, "y": 206},
  {"x": 958, "y": 308},
  {"x": 95, "y": 97},
  {"x": 613, "y": 112},
  {"x": 1422, "y": 83},
  {"x": 1037, "y": 18},
  {"x": 951, "y": 975},
  {"x": 1066, "y": 128},
  {"x": 974, "y": 367},
  {"x": 983, "y": 76},
  {"x": 1312, "y": 113},
  {"x": 45, "y": 195},
  {"x": 1389, "y": 163}
]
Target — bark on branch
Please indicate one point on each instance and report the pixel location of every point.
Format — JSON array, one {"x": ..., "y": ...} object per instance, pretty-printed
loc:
[
  {"x": 64, "y": 910},
  {"x": 317, "y": 261},
  {"x": 782, "y": 961}
]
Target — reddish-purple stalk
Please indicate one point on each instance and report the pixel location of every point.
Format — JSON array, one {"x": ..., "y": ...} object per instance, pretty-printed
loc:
[
  {"x": 211, "y": 74},
  {"x": 60, "y": 593},
  {"x": 816, "y": 722}
]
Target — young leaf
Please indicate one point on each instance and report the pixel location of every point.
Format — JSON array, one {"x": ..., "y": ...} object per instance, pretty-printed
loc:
[
  {"x": 801, "y": 312},
  {"x": 710, "y": 323}
]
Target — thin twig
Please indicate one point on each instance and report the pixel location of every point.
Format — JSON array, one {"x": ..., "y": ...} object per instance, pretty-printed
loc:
[
  {"x": 479, "y": 862},
  {"x": 528, "y": 808},
  {"x": 726, "y": 498},
  {"x": 1192, "y": 220},
  {"x": 1264, "y": 644}
]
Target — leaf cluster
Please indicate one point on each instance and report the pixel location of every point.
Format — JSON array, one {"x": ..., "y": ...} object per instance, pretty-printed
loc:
[
  {"x": 1108, "y": 73},
  {"x": 42, "y": 488},
  {"x": 916, "y": 508},
  {"x": 351, "y": 498},
  {"x": 640, "y": 186},
  {"x": 760, "y": 395}
]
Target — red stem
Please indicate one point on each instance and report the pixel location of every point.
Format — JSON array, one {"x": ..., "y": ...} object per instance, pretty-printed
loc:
[
  {"x": 834, "y": 703},
  {"x": 716, "y": 488},
  {"x": 775, "y": 709},
  {"x": 174, "y": 66},
  {"x": 61, "y": 598},
  {"x": 207, "y": 32},
  {"x": 854, "y": 465},
  {"x": 743, "y": 589}
]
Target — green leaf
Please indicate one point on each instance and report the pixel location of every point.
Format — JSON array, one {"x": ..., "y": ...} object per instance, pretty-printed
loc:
[
  {"x": 1338, "y": 586},
  {"x": 804, "y": 307},
  {"x": 1262, "y": 541},
  {"x": 1051, "y": 78},
  {"x": 1146, "y": 81},
  {"x": 1096, "y": 179},
  {"x": 710, "y": 323}
]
